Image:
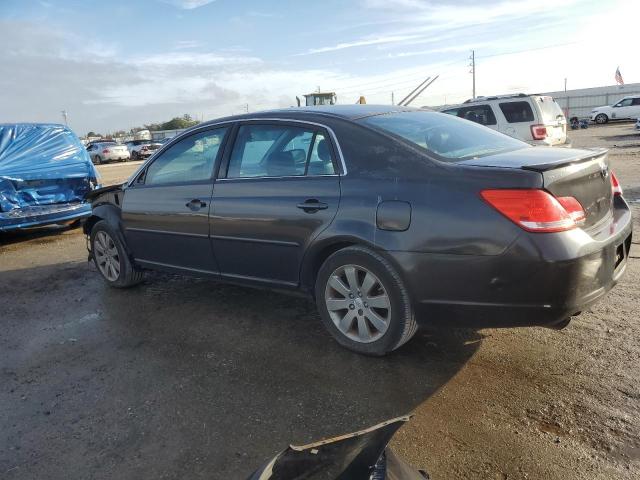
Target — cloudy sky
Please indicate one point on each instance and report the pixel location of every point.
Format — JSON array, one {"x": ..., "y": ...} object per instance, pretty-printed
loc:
[{"x": 116, "y": 64}]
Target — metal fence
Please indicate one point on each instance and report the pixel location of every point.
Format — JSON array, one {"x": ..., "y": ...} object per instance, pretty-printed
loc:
[{"x": 579, "y": 103}]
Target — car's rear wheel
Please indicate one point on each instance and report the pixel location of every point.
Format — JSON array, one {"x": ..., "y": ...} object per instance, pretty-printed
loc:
[
  {"x": 98, "y": 160},
  {"x": 134, "y": 155},
  {"x": 110, "y": 257},
  {"x": 601, "y": 118},
  {"x": 363, "y": 302}
]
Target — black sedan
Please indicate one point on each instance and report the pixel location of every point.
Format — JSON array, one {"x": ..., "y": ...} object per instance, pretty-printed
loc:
[{"x": 388, "y": 217}]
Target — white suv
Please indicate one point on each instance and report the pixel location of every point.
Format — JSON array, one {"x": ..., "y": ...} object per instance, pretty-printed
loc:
[
  {"x": 625, "y": 109},
  {"x": 535, "y": 119}
]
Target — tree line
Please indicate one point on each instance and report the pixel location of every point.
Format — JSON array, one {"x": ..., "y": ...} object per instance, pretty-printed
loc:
[{"x": 176, "y": 123}]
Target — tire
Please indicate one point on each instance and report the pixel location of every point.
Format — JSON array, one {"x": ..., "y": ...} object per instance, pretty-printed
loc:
[
  {"x": 98, "y": 160},
  {"x": 134, "y": 155},
  {"x": 347, "y": 318},
  {"x": 601, "y": 119},
  {"x": 122, "y": 276}
]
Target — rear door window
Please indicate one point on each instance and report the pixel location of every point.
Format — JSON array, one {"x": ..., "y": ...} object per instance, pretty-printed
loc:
[
  {"x": 517, "y": 112},
  {"x": 279, "y": 151},
  {"x": 482, "y": 114}
]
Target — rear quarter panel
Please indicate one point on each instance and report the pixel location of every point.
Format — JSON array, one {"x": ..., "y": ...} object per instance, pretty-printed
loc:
[{"x": 448, "y": 215}]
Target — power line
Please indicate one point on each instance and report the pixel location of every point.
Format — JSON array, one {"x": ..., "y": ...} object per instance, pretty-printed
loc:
[
  {"x": 357, "y": 87},
  {"x": 528, "y": 50}
]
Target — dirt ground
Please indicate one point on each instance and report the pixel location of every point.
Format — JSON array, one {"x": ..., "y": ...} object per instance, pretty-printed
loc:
[{"x": 189, "y": 378}]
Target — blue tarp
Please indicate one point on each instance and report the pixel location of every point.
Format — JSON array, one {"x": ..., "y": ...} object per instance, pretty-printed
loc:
[{"x": 42, "y": 164}]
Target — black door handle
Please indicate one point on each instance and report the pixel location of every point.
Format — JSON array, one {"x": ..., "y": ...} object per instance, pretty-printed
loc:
[
  {"x": 312, "y": 205},
  {"x": 195, "y": 204}
]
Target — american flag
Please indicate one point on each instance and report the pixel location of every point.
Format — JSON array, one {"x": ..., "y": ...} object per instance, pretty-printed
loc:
[{"x": 619, "y": 80}]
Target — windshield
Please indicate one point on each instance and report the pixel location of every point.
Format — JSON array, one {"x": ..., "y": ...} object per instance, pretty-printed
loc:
[{"x": 448, "y": 137}]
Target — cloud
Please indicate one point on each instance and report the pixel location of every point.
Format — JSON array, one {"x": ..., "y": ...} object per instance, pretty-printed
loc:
[
  {"x": 188, "y": 4},
  {"x": 421, "y": 20},
  {"x": 113, "y": 91},
  {"x": 199, "y": 60},
  {"x": 360, "y": 43},
  {"x": 186, "y": 44}
]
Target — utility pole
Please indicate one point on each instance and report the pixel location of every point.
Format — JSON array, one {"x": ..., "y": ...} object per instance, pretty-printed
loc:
[
  {"x": 246, "y": 107},
  {"x": 64, "y": 116},
  {"x": 392, "y": 99},
  {"x": 473, "y": 70},
  {"x": 565, "y": 84}
]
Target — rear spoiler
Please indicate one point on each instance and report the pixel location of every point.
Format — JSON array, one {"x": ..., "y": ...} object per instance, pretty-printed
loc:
[{"x": 543, "y": 167}]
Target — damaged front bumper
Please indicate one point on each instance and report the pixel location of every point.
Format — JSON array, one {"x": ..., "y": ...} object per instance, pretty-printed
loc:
[
  {"x": 41, "y": 215},
  {"x": 359, "y": 455}
]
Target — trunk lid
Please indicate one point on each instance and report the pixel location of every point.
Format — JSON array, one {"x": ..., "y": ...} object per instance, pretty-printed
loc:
[
  {"x": 582, "y": 174},
  {"x": 121, "y": 149}
]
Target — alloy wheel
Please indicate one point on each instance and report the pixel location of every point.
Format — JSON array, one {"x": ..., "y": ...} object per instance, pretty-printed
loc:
[
  {"x": 358, "y": 303},
  {"x": 106, "y": 255}
]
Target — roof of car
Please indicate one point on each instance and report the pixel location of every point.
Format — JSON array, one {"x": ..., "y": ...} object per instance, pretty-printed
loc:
[{"x": 349, "y": 112}]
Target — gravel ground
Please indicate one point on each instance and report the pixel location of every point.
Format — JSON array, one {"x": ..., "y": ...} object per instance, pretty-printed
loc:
[{"x": 188, "y": 378}]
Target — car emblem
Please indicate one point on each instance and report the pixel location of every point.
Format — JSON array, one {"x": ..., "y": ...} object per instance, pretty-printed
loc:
[{"x": 604, "y": 171}]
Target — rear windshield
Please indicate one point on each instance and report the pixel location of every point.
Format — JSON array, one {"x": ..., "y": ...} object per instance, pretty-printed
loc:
[
  {"x": 517, "y": 112},
  {"x": 450, "y": 138},
  {"x": 549, "y": 108}
]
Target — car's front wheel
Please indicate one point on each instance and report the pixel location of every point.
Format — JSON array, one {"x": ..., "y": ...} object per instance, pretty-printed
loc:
[
  {"x": 363, "y": 302},
  {"x": 601, "y": 118},
  {"x": 110, "y": 257}
]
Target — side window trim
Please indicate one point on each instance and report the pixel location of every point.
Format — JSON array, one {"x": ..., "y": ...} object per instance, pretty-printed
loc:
[
  {"x": 222, "y": 173},
  {"x": 140, "y": 179},
  {"x": 310, "y": 153}
]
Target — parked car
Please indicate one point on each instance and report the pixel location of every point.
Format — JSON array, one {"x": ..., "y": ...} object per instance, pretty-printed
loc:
[
  {"x": 535, "y": 119},
  {"x": 387, "y": 216},
  {"x": 140, "y": 149},
  {"x": 103, "y": 152},
  {"x": 626, "y": 109},
  {"x": 45, "y": 175}
]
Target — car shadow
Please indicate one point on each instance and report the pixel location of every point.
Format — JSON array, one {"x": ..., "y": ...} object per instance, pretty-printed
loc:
[
  {"x": 632, "y": 135},
  {"x": 41, "y": 234},
  {"x": 182, "y": 377}
]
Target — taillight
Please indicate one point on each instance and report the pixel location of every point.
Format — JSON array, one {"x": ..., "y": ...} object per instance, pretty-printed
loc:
[
  {"x": 536, "y": 210},
  {"x": 573, "y": 208},
  {"x": 539, "y": 132},
  {"x": 144, "y": 148},
  {"x": 106, "y": 150},
  {"x": 616, "y": 189}
]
